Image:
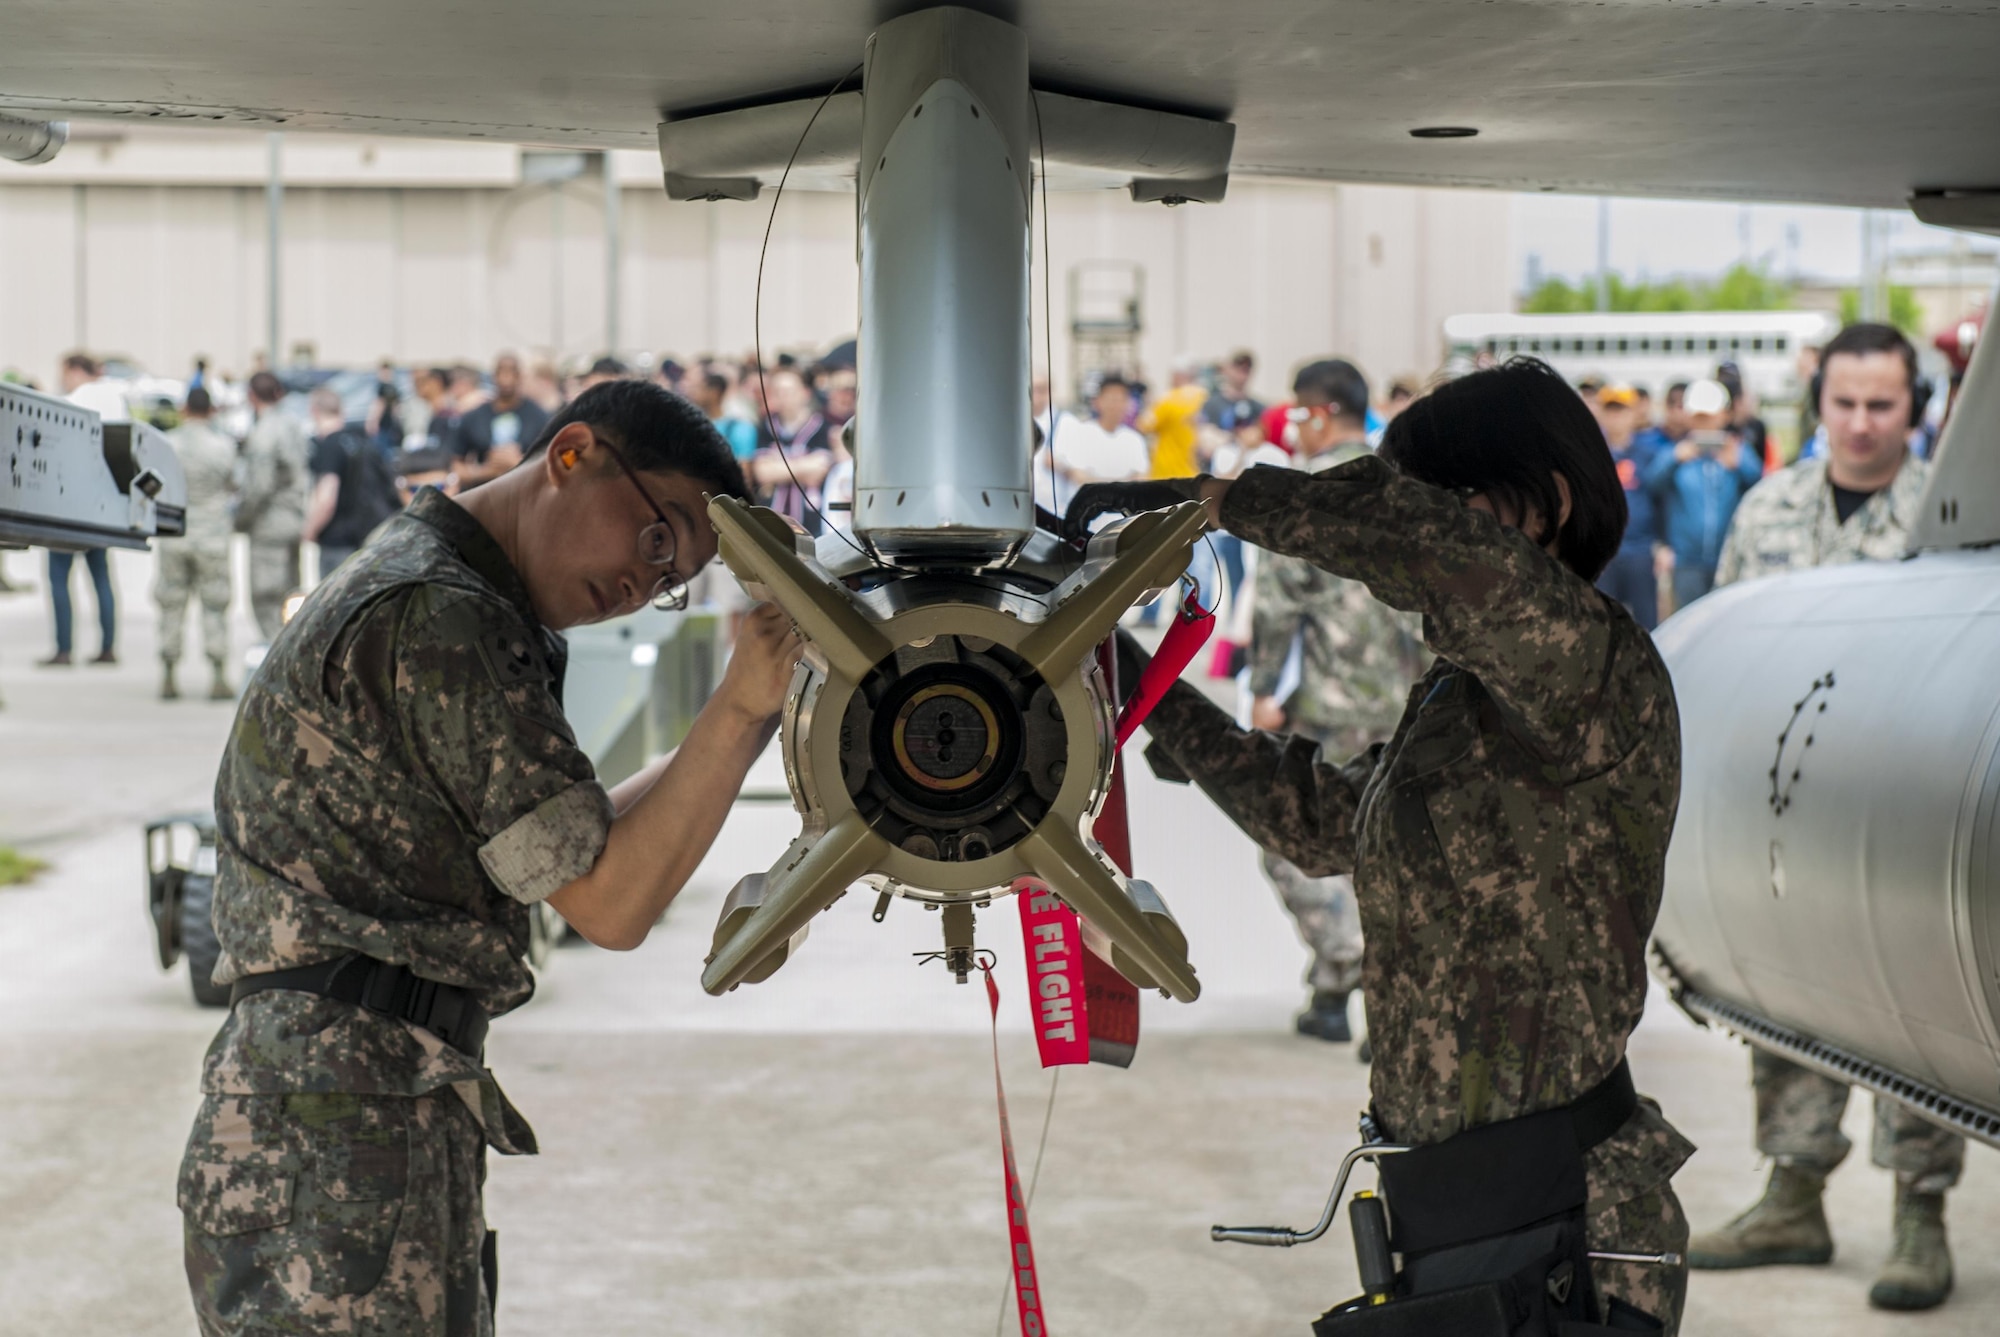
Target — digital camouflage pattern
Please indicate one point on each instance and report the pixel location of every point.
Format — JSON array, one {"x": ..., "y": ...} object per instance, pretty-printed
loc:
[
  {"x": 1328, "y": 919},
  {"x": 1798, "y": 1123},
  {"x": 276, "y": 476},
  {"x": 401, "y": 782},
  {"x": 1358, "y": 658},
  {"x": 197, "y": 565},
  {"x": 1507, "y": 845},
  {"x": 1653, "y": 1222},
  {"x": 271, "y": 509},
  {"x": 336, "y": 1213},
  {"x": 275, "y": 574},
  {"x": 1788, "y": 523}
]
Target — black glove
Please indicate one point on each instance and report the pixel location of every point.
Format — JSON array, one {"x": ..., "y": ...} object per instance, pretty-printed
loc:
[
  {"x": 1132, "y": 661},
  {"x": 1144, "y": 494}
]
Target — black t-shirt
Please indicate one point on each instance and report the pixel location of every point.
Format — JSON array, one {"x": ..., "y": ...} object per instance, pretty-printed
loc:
[
  {"x": 1846, "y": 501},
  {"x": 1230, "y": 414},
  {"x": 487, "y": 426},
  {"x": 368, "y": 493}
]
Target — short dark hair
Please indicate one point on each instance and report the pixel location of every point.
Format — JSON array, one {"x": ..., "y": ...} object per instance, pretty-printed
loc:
[
  {"x": 658, "y": 431},
  {"x": 1865, "y": 337},
  {"x": 1506, "y": 432},
  {"x": 1678, "y": 389},
  {"x": 266, "y": 388},
  {"x": 198, "y": 405},
  {"x": 609, "y": 366},
  {"x": 81, "y": 361},
  {"x": 1338, "y": 382},
  {"x": 1113, "y": 378},
  {"x": 716, "y": 381}
]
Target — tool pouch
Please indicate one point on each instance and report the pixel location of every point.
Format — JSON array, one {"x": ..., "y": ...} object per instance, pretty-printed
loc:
[{"x": 1490, "y": 1227}]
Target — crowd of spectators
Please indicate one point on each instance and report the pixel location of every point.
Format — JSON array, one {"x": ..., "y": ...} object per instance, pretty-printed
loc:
[{"x": 355, "y": 454}]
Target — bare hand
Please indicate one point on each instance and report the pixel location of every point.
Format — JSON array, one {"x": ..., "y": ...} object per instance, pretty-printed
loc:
[
  {"x": 760, "y": 669},
  {"x": 1267, "y": 714},
  {"x": 1686, "y": 451}
]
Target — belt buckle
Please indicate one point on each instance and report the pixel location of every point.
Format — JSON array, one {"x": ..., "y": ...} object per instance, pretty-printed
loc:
[{"x": 385, "y": 990}]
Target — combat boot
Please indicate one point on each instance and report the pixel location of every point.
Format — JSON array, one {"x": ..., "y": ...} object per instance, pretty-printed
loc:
[
  {"x": 1326, "y": 1017},
  {"x": 169, "y": 689},
  {"x": 218, "y": 682},
  {"x": 1918, "y": 1273},
  {"x": 1786, "y": 1225}
]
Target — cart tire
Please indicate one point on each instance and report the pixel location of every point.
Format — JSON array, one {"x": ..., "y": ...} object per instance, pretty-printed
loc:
[{"x": 198, "y": 942}]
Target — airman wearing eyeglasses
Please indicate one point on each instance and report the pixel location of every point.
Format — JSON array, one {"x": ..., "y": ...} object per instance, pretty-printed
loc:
[{"x": 399, "y": 789}]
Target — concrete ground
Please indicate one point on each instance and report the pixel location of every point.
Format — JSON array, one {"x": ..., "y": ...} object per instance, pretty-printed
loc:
[{"x": 814, "y": 1155}]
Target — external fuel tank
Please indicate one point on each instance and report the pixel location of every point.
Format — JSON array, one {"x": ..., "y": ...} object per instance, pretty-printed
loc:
[{"x": 1835, "y": 871}]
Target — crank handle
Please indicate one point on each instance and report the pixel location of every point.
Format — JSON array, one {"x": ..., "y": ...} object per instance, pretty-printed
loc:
[
  {"x": 1280, "y": 1238},
  {"x": 1276, "y": 1237}
]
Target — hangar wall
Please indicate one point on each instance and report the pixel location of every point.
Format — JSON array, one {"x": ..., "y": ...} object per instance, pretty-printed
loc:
[{"x": 151, "y": 244}]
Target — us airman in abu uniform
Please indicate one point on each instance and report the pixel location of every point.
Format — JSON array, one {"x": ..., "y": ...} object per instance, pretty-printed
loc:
[
  {"x": 197, "y": 564},
  {"x": 1357, "y": 659},
  {"x": 271, "y": 503},
  {"x": 1508, "y": 845},
  {"x": 400, "y": 788},
  {"x": 1856, "y": 503}
]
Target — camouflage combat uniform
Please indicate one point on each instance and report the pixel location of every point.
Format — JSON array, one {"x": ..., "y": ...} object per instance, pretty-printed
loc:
[
  {"x": 272, "y": 511},
  {"x": 400, "y": 782},
  {"x": 1357, "y": 660},
  {"x": 197, "y": 565},
  {"x": 1788, "y": 523},
  {"x": 1508, "y": 845}
]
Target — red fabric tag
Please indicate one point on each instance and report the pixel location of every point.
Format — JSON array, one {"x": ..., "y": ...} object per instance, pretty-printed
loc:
[
  {"x": 1020, "y": 1248},
  {"x": 1184, "y": 639},
  {"x": 1052, "y": 947},
  {"x": 1109, "y": 998}
]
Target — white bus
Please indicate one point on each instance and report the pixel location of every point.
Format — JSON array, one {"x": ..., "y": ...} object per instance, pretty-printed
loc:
[{"x": 1655, "y": 349}]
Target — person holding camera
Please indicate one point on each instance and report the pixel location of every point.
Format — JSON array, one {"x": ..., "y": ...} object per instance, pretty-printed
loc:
[{"x": 1699, "y": 485}]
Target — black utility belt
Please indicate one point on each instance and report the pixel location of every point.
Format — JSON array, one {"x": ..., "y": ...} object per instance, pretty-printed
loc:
[
  {"x": 450, "y": 1013},
  {"x": 1490, "y": 1228}
]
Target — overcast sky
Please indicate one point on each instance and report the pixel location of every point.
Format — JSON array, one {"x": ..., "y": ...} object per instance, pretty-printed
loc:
[{"x": 1658, "y": 238}]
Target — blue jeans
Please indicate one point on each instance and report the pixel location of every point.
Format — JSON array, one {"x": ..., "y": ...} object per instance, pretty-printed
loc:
[
  {"x": 107, "y": 603},
  {"x": 1629, "y": 580},
  {"x": 1230, "y": 549},
  {"x": 1691, "y": 582}
]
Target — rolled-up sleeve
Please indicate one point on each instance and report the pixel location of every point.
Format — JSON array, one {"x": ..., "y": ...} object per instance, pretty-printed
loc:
[
  {"x": 477, "y": 700},
  {"x": 552, "y": 846}
]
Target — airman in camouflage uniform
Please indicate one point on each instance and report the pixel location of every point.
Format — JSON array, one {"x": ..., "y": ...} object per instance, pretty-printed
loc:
[
  {"x": 401, "y": 784},
  {"x": 197, "y": 564},
  {"x": 1357, "y": 660},
  {"x": 1508, "y": 844},
  {"x": 1791, "y": 521},
  {"x": 271, "y": 507}
]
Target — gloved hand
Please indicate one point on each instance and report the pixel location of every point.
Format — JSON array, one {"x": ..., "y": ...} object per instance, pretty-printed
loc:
[
  {"x": 1132, "y": 661},
  {"x": 1142, "y": 494}
]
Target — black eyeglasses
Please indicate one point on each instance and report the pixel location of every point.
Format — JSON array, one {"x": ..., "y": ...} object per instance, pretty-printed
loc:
[{"x": 656, "y": 542}]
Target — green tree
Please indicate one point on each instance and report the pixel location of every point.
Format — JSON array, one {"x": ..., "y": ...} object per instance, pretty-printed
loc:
[
  {"x": 1904, "y": 312},
  {"x": 1739, "y": 288}
]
